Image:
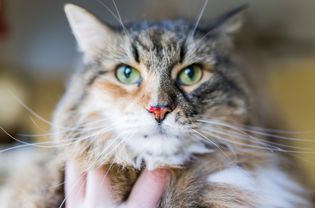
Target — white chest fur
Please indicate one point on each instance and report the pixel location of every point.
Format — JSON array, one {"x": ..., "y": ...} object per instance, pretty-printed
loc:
[{"x": 272, "y": 187}]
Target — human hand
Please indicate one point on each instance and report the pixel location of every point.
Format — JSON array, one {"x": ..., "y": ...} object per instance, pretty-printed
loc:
[{"x": 93, "y": 189}]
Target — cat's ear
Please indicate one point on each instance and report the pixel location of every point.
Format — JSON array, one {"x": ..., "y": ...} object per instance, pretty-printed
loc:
[
  {"x": 91, "y": 34},
  {"x": 230, "y": 22}
]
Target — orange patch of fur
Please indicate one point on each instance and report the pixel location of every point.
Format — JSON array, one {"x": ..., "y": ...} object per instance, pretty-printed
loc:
[{"x": 115, "y": 90}]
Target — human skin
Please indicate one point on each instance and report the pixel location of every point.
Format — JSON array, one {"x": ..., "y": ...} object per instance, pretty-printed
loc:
[{"x": 93, "y": 189}]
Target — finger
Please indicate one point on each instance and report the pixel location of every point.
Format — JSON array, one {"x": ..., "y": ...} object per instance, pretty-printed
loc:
[
  {"x": 149, "y": 189},
  {"x": 74, "y": 185},
  {"x": 98, "y": 189}
]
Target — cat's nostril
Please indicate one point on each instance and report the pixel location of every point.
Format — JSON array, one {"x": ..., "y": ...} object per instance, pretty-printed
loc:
[{"x": 159, "y": 112}]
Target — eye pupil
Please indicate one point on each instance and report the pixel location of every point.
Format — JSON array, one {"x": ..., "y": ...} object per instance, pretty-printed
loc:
[
  {"x": 127, "y": 72},
  {"x": 190, "y": 73}
]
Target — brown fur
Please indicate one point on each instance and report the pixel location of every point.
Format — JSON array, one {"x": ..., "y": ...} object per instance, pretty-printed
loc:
[
  {"x": 162, "y": 49},
  {"x": 188, "y": 187}
]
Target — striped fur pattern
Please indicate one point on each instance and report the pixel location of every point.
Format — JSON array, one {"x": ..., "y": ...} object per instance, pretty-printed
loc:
[
  {"x": 214, "y": 164},
  {"x": 159, "y": 51}
]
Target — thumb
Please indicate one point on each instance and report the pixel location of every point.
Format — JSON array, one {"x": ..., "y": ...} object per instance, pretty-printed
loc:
[{"x": 149, "y": 189}]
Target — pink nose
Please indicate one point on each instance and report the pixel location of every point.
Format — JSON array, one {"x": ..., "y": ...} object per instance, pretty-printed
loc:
[{"x": 159, "y": 112}]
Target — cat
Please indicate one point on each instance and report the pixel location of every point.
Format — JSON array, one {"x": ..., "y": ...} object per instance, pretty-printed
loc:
[{"x": 162, "y": 94}]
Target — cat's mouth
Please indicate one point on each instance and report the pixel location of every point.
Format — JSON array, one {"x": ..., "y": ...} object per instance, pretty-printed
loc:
[
  {"x": 159, "y": 133},
  {"x": 161, "y": 145}
]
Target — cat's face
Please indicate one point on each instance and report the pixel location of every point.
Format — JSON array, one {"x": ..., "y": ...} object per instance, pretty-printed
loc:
[{"x": 146, "y": 91}]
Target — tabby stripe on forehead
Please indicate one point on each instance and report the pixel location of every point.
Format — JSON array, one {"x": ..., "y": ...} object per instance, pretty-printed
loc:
[
  {"x": 135, "y": 53},
  {"x": 183, "y": 51},
  {"x": 142, "y": 45},
  {"x": 92, "y": 79}
]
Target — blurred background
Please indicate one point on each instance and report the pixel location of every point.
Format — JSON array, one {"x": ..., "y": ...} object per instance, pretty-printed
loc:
[{"x": 38, "y": 52}]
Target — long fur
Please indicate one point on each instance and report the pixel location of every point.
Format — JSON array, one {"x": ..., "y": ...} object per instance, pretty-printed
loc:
[{"x": 215, "y": 160}]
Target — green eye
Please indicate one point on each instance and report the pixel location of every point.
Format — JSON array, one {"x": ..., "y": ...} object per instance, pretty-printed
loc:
[
  {"x": 190, "y": 75},
  {"x": 128, "y": 75}
]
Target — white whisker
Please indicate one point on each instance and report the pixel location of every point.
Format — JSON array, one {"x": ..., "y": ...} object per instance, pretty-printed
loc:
[
  {"x": 199, "y": 18},
  {"x": 215, "y": 122}
]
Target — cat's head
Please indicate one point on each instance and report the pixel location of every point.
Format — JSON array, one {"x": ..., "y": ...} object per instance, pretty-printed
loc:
[{"x": 150, "y": 93}]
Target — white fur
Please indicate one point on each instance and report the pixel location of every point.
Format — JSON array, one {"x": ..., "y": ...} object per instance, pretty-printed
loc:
[
  {"x": 172, "y": 146},
  {"x": 271, "y": 187}
]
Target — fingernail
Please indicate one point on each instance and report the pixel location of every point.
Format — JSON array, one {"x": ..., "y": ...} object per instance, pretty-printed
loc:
[{"x": 161, "y": 173}]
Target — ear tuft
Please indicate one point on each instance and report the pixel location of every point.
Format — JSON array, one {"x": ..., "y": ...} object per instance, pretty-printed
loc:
[
  {"x": 91, "y": 34},
  {"x": 230, "y": 22},
  {"x": 74, "y": 12}
]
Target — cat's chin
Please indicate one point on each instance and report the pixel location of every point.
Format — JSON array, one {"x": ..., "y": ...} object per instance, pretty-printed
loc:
[
  {"x": 173, "y": 160},
  {"x": 161, "y": 150}
]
